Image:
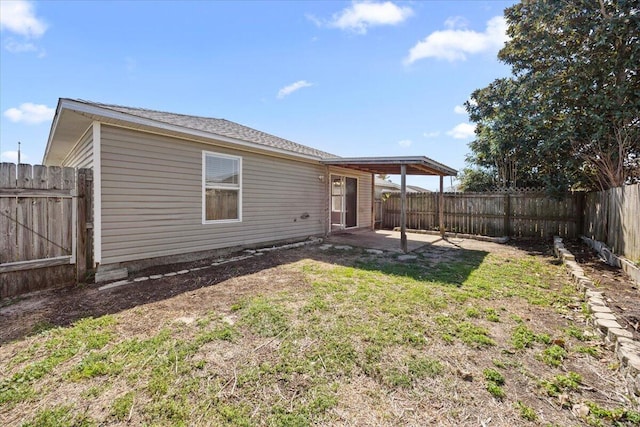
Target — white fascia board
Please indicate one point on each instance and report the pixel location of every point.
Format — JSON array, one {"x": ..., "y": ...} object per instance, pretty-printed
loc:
[
  {"x": 52, "y": 131},
  {"x": 97, "y": 194}
]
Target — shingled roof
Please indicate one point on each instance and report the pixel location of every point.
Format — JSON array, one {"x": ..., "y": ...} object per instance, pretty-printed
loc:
[{"x": 221, "y": 127}]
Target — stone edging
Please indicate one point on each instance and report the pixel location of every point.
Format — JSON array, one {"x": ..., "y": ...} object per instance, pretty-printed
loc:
[
  {"x": 249, "y": 253},
  {"x": 626, "y": 349}
]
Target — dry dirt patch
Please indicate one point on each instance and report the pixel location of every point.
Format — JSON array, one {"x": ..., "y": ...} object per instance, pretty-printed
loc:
[{"x": 469, "y": 333}]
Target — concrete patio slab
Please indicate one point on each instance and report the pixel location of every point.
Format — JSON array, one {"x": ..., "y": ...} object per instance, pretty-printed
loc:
[{"x": 385, "y": 240}]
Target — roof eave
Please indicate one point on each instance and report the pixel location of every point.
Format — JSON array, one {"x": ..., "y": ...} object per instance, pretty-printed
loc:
[{"x": 54, "y": 126}]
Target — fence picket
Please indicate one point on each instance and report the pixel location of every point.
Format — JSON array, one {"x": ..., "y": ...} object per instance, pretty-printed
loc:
[
  {"x": 36, "y": 223},
  {"x": 611, "y": 216}
]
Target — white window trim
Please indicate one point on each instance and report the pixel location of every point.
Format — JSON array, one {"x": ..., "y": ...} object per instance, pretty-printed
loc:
[{"x": 204, "y": 187}]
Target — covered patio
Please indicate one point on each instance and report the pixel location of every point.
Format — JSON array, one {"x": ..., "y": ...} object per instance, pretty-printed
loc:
[{"x": 403, "y": 166}]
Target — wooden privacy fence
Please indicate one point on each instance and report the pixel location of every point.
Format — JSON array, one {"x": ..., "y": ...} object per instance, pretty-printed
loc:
[
  {"x": 613, "y": 217},
  {"x": 45, "y": 214},
  {"x": 515, "y": 214}
]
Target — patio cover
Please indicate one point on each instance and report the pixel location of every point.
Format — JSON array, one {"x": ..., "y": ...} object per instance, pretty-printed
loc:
[{"x": 413, "y": 165}]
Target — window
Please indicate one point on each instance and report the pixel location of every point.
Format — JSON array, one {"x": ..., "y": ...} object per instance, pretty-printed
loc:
[{"x": 222, "y": 187}]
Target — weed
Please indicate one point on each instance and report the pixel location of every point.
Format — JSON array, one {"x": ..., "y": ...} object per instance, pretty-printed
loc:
[
  {"x": 41, "y": 326},
  {"x": 234, "y": 415},
  {"x": 395, "y": 377},
  {"x": 421, "y": 367},
  {"x": 473, "y": 335},
  {"x": 523, "y": 337},
  {"x": 264, "y": 317},
  {"x": 121, "y": 406},
  {"x": 494, "y": 376},
  {"x": 378, "y": 319},
  {"x": 554, "y": 355},
  {"x": 526, "y": 412},
  {"x": 473, "y": 312},
  {"x": 590, "y": 350},
  {"x": 495, "y": 390},
  {"x": 62, "y": 416},
  {"x": 93, "y": 392},
  {"x": 498, "y": 363},
  {"x": 170, "y": 410},
  {"x": 576, "y": 333},
  {"x": 616, "y": 416},
  {"x": 94, "y": 365},
  {"x": 491, "y": 315},
  {"x": 561, "y": 383},
  {"x": 495, "y": 381},
  {"x": 61, "y": 344}
]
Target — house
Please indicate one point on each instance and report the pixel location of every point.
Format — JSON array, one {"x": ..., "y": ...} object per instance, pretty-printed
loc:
[
  {"x": 170, "y": 187},
  {"x": 383, "y": 186},
  {"x": 417, "y": 189}
]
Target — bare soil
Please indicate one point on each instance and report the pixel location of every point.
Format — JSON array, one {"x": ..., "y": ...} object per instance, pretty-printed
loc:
[
  {"x": 462, "y": 399},
  {"x": 622, "y": 293},
  {"x": 61, "y": 307},
  {"x": 31, "y": 313}
]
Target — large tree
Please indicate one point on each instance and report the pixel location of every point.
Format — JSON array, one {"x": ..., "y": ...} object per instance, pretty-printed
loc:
[{"x": 569, "y": 117}]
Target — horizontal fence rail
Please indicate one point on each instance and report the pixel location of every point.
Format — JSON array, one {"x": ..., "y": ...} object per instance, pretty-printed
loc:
[
  {"x": 43, "y": 227},
  {"x": 36, "y": 206}
]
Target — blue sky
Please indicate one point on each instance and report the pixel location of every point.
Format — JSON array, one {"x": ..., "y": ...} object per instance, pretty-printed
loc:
[{"x": 369, "y": 78}]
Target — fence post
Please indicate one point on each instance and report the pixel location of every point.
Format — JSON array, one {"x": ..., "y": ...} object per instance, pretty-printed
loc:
[
  {"x": 441, "y": 207},
  {"x": 507, "y": 214},
  {"x": 81, "y": 229},
  {"x": 580, "y": 214}
]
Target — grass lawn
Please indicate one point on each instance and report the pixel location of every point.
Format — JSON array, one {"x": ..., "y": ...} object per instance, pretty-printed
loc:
[{"x": 330, "y": 338}]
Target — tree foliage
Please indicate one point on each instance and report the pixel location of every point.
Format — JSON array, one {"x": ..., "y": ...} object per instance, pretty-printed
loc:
[
  {"x": 477, "y": 179},
  {"x": 569, "y": 116}
]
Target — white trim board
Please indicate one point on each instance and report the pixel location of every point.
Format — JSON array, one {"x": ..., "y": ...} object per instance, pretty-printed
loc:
[{"x": 97, "y": 193}]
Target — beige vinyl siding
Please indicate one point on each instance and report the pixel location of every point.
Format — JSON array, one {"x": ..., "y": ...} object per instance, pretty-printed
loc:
[
  {"x": 81, "y": 155},
  {"x": 364, "y": 193},
  {"x": 152, "y": 198}
]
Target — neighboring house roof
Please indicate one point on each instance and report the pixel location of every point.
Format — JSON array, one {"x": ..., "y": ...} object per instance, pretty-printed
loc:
[
  {"x": 416, "y": 189},
  {"x": 391, "y": 187},
  {"x": 386, "y": 185},
  {"x": 70, "y": 112}
]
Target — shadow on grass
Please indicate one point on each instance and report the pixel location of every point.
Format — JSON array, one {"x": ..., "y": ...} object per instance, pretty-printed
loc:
[
  {"x": 452, "y": 269},
  {"x": 30, "y": 315}
]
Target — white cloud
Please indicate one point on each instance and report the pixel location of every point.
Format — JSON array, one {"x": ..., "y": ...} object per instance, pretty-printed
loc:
[
  {"x": 431, "y": 134},
  {"x": 288, "y": 90},
  {"x": 462, "y": 131},
  {"x": 360, "y": 16},
  {"x": 18, "y": 16},
  {"x": 12, "y": 157},
  {"x": 454, "y": 22},
  {"x": 405, "y": 143},
  {"x": 14, "y": 46},
  {"x": 459, "y": 109},
  {"x": 455, "y": 43},
  {"x": 30, "y": 113}
]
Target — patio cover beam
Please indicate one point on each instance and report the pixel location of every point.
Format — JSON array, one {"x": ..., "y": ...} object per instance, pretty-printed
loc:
[
  {"x": 403, "y": 208},
  {"x": 415, "y": 165}
]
